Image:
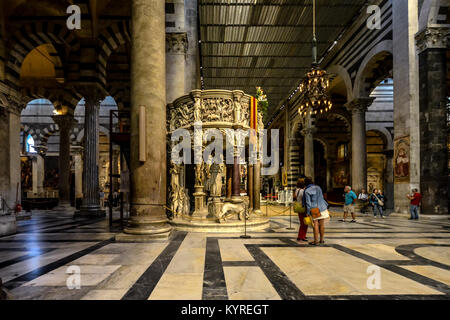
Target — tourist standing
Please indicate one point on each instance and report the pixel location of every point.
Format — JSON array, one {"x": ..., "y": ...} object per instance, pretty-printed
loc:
[
  {"x": 416, "y": 199},
  {"x": 349, "y": 204},
  {"x": 317, "y": 208},
  {"x": 376, "y": 201},
  {"x": 363, "y": 197},
  {"x": 300, "y": 209}
]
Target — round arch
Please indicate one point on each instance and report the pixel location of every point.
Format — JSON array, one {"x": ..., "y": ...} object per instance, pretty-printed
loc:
[
  {"x": 430, "y": 11},
  {"x": 33, "y": 35},
  {"x": 111, "y": 38},
  {"x": 384, "y": 134},
  {"x": 342, "y": 73},
  {"x": 378, "y": 53}
]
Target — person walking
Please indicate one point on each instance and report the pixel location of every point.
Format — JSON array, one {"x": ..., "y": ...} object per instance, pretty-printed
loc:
[
  {"x": 416, "y": 199},
  {"x": 376, "y": 201},
  {"x": 317, "y": 208},
  {"x": 349, "y": 204},
  {"x": 363, "y": 197},
  {"x": 300, "y": 210}
]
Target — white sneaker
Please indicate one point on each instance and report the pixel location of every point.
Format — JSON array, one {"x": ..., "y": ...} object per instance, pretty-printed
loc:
[{"x": 383, "y": 217}]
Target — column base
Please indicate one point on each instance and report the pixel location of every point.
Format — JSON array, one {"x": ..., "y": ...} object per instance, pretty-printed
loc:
[
  {"x": 64, "y": 207},
  {"x": 236, "y": 199},
  {"x": 90, "y": 213},
  {"x": 147, "y": 229}
]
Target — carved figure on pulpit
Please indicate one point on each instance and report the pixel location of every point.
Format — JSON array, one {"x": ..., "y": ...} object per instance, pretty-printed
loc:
[
  {"x": 215, "y": 180},
  {"x": 198, "y": 110},
  {"x": 199, "y": 174}
]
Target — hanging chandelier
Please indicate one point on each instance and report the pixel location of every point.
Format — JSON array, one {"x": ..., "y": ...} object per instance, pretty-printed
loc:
[{"x": 315, "y": 86}]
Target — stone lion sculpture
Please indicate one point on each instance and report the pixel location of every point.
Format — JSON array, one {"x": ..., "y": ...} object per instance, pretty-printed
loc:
[{"x": 230, "y": 209}]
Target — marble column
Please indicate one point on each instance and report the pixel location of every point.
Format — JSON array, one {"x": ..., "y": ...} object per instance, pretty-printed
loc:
[
  {"x": 406, "y": 97},
  {"x": 308, "y": 134},
  {"x": 77, "y": 152},
  {"x": 148, "y": 100},
  {"x": 38, "y": 175},
  {"x": 432, "y": 44},
  {"x": 65, "y": 123},
  {"x": 91, "y": 193},
  {"x": 257, "y": 187},
  {"x": 176, "y": 47},
  {"x": 250, "y": 183},
  {"x": 358, "y": 108},
  {"x": 10, "y": 160},
  {"x": 330, "y": 162},
  {"x": 229, "y": 181},
  {"x": 236, "y": 180}
]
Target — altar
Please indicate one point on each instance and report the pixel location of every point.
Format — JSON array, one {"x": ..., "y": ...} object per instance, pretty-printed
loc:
[{"x": 208, "y": 195}]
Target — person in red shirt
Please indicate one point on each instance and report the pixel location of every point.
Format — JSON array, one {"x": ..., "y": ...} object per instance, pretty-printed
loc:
[{"x": 415, "y": 198}]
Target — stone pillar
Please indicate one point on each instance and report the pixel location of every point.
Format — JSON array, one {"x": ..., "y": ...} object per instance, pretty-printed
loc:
[
  {"x": 257, "y": 187},
  {"x": 91, "y": 193},
  {"x": 358, "y": 109},
  {"x": 250, "y": 183},
  {"x": 432, "y": 45},
  {"x": 236, "y": 180},
  {"x": 192, "y": 66},
  {"x": 38, "y": 175},
  {"x": 65, "y": 124},
  {"x": 176, "y": 47},
  {"x": 389, "y": 180},
  {"x": 229, "y": 181},
  {"x": 330, "y": 162},
  {"x": 308, "y": 134},
  {"x": 77, "y": 152},
  {"x": 148, "y": 143},
  {"x": 10, "y": 155},
  {"x": 406, "y": 98}
]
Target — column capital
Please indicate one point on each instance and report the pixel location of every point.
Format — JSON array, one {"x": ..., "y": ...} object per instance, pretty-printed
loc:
[
  {"x": 41, "y": 149},
  {"x": 92, "y": 93},
  {"x": 432, "y": 38},
  {"x": 177, "y": 43},
  {"x": 12, "y": 104},
  {"x": 359, "y": 105},
  {"x": 66, "y": 121},
  {"x": 308, "y": 131},
  {"x": 76, "y": 149}
]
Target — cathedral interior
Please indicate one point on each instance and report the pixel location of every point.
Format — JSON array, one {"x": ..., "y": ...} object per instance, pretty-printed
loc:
[{"x": 93, "y": 96}]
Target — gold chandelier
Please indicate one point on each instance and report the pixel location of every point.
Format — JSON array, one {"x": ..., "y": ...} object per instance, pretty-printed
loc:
[{"x": 314, "y": 88}]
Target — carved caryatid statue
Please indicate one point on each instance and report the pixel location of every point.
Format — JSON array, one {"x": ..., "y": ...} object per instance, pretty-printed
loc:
[
  {"x": 215, "y": 180},
  {"x": 198, "y": 110},
  {"x": 199, "y": 174}
]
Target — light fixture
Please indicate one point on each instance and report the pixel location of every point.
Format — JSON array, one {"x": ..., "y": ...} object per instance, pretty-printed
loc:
[{"x": 315, "y": 86}]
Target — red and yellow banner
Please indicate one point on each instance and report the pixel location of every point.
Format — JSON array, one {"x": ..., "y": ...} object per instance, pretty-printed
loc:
[{"x": 254, "y": 114}]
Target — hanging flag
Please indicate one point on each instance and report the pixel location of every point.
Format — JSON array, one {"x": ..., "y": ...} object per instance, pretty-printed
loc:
[
  {"x": 253, "y": 121},
  {"x": 254, "y": 114}
]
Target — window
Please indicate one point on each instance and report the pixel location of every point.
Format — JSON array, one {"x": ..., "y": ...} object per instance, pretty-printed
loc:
[{"x": 30, "y": 144}]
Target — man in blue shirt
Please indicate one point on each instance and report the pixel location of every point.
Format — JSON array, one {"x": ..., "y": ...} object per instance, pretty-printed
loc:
[{"x": 349, "y": 205}]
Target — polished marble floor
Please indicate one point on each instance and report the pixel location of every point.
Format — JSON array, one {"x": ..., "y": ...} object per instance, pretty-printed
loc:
[{"x": 372, "y": 259}]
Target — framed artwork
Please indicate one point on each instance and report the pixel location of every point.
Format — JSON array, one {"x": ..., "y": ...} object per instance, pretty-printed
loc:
[{"x": 401, "y": 159}]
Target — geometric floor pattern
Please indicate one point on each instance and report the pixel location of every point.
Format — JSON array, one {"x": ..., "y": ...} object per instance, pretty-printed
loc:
[{"x": 391, "y": 258}]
